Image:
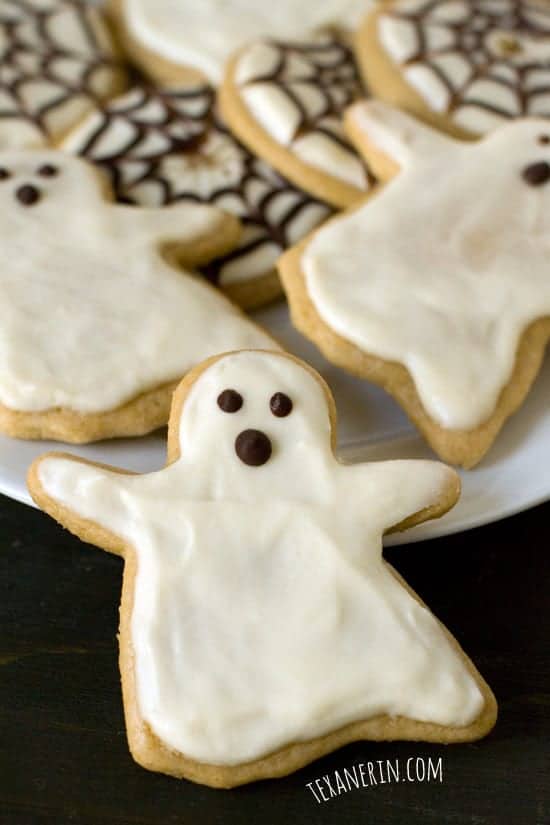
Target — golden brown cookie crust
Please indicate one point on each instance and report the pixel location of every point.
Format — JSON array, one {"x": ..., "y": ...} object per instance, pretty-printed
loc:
[
  {"x": 149, "y": 410},
  {"x": 153, "y": 65},
  {"x": 461, "y": 447},
  {"x": 385, "y": 81},
  {"x": 147, "y": 749},
  {"x": 241, "y": 122}
]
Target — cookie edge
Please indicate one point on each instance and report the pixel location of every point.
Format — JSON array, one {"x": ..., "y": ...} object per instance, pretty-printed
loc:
[
  {"x": 312, "y": 181},
  {"x": 145, "y": 747}
]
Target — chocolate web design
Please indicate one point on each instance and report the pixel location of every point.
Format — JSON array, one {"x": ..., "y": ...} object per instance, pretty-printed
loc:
[
  {"x": 163, "y": 147},
  {"x": 50, "y": 55},
  {"x": 484, "y": 54},
  {"x": 320, "y": 80}
]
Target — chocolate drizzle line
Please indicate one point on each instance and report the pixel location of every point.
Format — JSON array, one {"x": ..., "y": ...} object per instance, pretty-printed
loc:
[
  {"x": 469, "y": 40},
  {"x": 331, "y": 71},
  {"x": 45, "y": 50},
  {"x": 185, "y": 120}
]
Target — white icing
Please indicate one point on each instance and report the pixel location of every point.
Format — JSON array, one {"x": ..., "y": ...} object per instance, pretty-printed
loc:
[
  {"x": 260, "y": 58},
  {"x": 262, "y": 259},
  {"x": 91, "y": 314},
  {"x": 219, "y": 164},
  {"x": 474, "y": 119},
  {"x": 494, "y": 94},
  {"x": 272, "y": 108},
  {"x": 451, "y": 11},
  {"x": 538, "y": 78},
  {"x": 525, "y": 50},
  {"x": 452, "y": 51},
  {"x": 204, "y": 34},
  {"x": 272, "y": 104},
  {"x": 538, "y": 17},
  {"x": 51, "y": 65},
  {"x": 438, "y": 38},
  {"x": 503, "y": 72},
  {"x": 448, "y": 287},
  {"x": 325, "y": 154},
  {"x": 455, "y": 64},
  {"x": 495, "y": 6},
  {"x": 541, "y": 104},
  {"x": 263, "y": 613},
  {"x": 15, "y": 132},
  {"x": 429, "y": 84},
  {"x": 141, "y": 138},
  {"x": 309, "y": 217},
  {"x": 398, "y": 37}
]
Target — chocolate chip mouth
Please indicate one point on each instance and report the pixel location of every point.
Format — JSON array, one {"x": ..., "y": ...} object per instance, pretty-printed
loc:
[
  {"x": 253, "y": 447},
  {"x": 27, "y": 194}
]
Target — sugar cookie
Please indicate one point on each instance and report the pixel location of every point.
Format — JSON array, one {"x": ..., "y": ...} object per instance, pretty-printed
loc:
[
  {"x": 175, "y": 40},
  {"x": 285, "y": 100},
  {"x": 161, "y": 147},
  {"x": 437, "y": 288},
  {"x": 97, "y": 322},
  {"x": 57, "y": 60},
  {"x": 465, "y": 66},
  {"x": 260, "y": 626}
]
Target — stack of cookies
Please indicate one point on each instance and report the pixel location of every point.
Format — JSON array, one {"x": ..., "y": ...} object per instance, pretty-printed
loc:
[{"x": 167, "y": 168}]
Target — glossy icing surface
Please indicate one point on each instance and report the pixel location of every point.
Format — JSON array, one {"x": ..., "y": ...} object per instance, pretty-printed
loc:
[{"x": 263, "y": 612}]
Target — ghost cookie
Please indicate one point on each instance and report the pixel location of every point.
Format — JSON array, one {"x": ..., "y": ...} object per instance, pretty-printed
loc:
[
  {"x": 179, "y": 40},
  {"x": 437, "y": 288},
  {"x": 285, "y": 100},
  {"x": 57, "y": 60},
  {"x": 465, "y": 66},
  {"x": 98, "y": 320},
  {"x": 159, "y": 147},
  {"x": 260, "y": 626}
]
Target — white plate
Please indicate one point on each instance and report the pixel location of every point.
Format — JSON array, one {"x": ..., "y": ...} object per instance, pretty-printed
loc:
[{"x": 514, "y": 476}]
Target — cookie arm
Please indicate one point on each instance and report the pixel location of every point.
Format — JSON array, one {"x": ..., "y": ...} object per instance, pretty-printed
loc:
[
  {"x": 195, "y": 232},
  {"x": 389, "y": 139},
  {"x": 90, "y": 500},
  {"x": 400, "y": 494}
]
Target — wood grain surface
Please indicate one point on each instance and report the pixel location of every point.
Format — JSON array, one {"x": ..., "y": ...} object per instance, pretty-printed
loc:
[{"x": 62, "y": 741}]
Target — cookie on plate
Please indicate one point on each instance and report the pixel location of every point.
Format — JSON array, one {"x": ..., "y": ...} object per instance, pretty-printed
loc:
[
  {"x": 175, "y": 42},
  {"x": 286, "y": 99},
  {"x": 57, "y": 60},
  {"x": 161, "y": 147},
  {"x": 437, "y": 288},
  {"x": 260, "y": 627},
  {"x": 465, "y": 66},
  {"x": 99, "y": 319}
]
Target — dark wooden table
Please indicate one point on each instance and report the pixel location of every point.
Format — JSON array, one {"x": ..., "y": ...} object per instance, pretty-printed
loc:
[{"x": 63, "y": 745}]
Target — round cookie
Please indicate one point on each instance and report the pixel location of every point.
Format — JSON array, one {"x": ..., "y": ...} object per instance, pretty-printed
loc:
[
  {"x": 175, "y": 41},
  {"x": 465, "y": 66},
  {"x": 100, "y": 315},
  {"x": 286, "y": 99},
  {"x": 57, "y": 60},
  {"x": 437, "y": 288},
  {"x": 251, "y": 560},
  {"x": 161, "y": 147}
]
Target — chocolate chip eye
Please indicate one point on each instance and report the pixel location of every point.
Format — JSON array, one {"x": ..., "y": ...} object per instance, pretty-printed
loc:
[
  {"x": 4, "y": 173},
  {"x": 280, "y": 405},
  {"x": 47, "y": 171},
  {"x": 544, "y": 140},
  {"x": 536, "y": 174},
  {"x": 230, "y": 401}
]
